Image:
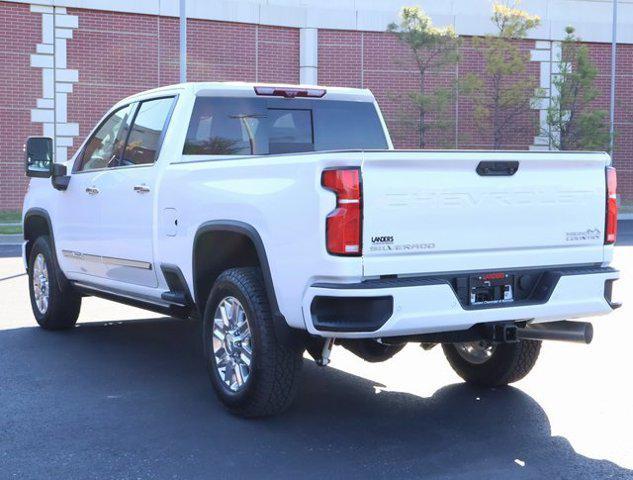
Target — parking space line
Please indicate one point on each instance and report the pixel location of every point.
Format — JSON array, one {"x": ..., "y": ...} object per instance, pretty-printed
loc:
[{"x": 12, "y": 276}]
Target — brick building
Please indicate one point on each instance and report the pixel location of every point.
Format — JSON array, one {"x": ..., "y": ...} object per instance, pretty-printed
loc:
[{"x": 63, "y": 63}]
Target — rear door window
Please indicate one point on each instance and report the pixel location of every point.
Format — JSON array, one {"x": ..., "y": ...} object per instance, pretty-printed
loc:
[
  {"x": 226, "y": 126},
  {"x": 258, "y": 126}
]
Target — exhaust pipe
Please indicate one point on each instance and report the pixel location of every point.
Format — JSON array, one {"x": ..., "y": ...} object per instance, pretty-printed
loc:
[{"x": 564, "y": 331}]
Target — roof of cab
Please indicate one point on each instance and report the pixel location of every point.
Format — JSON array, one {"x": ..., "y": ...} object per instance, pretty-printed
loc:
[{"x": 247, "y": 89}]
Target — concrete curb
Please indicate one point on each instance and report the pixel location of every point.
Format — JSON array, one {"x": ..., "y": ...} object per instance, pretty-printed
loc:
[{"x": 11, "y": 239}]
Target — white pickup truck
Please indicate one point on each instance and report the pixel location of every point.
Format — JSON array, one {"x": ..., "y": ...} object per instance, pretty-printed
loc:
[{"x": 283, "y": 219}]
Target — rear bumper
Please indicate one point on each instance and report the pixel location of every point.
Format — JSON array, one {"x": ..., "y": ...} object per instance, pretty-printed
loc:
[{"x": 411, "y": 306}]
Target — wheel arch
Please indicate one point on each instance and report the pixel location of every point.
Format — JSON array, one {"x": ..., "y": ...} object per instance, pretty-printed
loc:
[
  {"x": 230, "y": 238},
  {"x": 223, "y": 230},
  {"x": 37, "y": 222}
]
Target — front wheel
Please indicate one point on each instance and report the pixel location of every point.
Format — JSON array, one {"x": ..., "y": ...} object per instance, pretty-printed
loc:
[
  {"x": 55, "y": 306},
  {"x": 253, "y": 373},
  {"x": 492, "y": 365}
]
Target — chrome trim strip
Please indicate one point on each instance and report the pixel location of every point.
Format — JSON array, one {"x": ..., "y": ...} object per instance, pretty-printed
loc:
[
  {"x": 127, "y": 263},
  {"x": 91, "y": 258},
  {"x": 112, "y": 169},
  {"x": 123, "y": 262}
]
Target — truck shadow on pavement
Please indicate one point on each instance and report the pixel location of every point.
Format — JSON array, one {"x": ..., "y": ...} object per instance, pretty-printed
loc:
[{"x": 131, "y": 400}]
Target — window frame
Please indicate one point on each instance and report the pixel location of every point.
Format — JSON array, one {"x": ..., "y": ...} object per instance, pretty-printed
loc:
[{"x": 137, "y": 105}]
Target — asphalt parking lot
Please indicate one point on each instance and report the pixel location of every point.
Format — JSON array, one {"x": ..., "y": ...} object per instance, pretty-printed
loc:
[{"x": 125, "y": 396}]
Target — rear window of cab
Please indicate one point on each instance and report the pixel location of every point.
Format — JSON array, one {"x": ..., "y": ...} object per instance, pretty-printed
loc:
[{"x": 261, "y": 126}]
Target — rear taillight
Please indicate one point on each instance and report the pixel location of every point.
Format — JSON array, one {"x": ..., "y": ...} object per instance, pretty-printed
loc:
[
  {"x": 611, "y": 229},
  {"x": 343, "y": 224}
]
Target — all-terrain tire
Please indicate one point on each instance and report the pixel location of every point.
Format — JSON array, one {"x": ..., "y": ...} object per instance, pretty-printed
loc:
[
  {"x": 275, "y": 370},
  {"x": 508, "y": 363},
  {"x": 59, "y": 305}
]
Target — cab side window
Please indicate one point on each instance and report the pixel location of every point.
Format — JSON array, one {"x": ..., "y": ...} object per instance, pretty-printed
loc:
[
  {"x": 144, "y": 139},
  {"x": 227, "y": 126},
  {"x": 105, "y": 147}
]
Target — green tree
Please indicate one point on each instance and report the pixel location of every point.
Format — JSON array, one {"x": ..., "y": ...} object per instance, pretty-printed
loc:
[
  {"x": 504, "y": 93},
  {"x": 433, "y": 48},
  {"x": 572, "y": 123}
]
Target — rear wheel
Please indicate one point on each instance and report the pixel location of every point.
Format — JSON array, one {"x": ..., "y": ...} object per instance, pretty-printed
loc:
[
  {"x": 492, "y": 365},
  {"x": 252, "y": 372},
  {"x": 55, "y": 306}
]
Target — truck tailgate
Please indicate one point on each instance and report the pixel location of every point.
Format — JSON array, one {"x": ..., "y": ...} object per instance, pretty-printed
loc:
[{"x": 426, "y": 212}]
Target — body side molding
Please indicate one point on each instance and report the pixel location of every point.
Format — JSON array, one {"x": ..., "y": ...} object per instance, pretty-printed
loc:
[{"x": 122, "y": 262}]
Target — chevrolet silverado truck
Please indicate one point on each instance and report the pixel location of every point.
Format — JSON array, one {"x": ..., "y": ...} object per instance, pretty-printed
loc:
[{"x": 283, "y": 219}]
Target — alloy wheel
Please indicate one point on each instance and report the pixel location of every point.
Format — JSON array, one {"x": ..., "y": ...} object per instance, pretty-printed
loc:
[
  {"x": 476, "y": 352},
  {"x": 232, "y": 344},
  {"x": 41, "y": 290}
]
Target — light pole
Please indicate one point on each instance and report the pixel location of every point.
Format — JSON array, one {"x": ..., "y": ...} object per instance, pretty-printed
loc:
[
  {"x": 183, "y": 42},
  {"x": 612, "y": 106}
]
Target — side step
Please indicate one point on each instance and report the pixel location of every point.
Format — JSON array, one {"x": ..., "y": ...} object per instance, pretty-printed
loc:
[
  {"x": 178, "y": 293},
  {"x": 175, "y": 298}
]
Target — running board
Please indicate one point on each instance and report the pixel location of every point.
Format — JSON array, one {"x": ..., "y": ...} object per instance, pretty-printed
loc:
[{"x": 140, "y": 301}]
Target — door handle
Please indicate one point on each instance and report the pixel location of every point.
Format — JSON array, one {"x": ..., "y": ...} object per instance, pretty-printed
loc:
[
  {"x": 141, "y": 188},
  {"x": 92, "y": 190}
]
